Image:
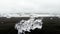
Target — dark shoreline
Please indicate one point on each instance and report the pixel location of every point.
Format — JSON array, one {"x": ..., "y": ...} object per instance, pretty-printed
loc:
[{"x": 50, "y": 26}]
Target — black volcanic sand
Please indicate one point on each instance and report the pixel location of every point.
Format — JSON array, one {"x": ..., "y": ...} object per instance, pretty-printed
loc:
[{"x": 50, "y": 26}]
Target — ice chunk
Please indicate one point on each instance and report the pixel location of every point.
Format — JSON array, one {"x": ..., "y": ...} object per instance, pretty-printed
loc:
[{"x": 28, "y": 25}]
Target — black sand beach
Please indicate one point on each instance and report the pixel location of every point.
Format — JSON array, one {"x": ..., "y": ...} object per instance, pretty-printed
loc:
[{"x": 51, "y": 25}]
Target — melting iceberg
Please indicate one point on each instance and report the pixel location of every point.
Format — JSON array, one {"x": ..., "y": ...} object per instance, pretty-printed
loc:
[{"x": 27, "y": 25}]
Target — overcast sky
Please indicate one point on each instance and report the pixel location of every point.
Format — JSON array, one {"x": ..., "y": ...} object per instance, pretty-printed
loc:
[{"x": 42, "y": 6}]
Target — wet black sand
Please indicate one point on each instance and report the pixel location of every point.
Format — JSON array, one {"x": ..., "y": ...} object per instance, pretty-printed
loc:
[{"x": 50, "y": 26}]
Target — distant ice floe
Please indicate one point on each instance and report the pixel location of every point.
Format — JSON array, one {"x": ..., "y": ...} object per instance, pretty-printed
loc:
[
  {"x": 9, "y": 15},
  {"x": 24, "y": 25}
]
